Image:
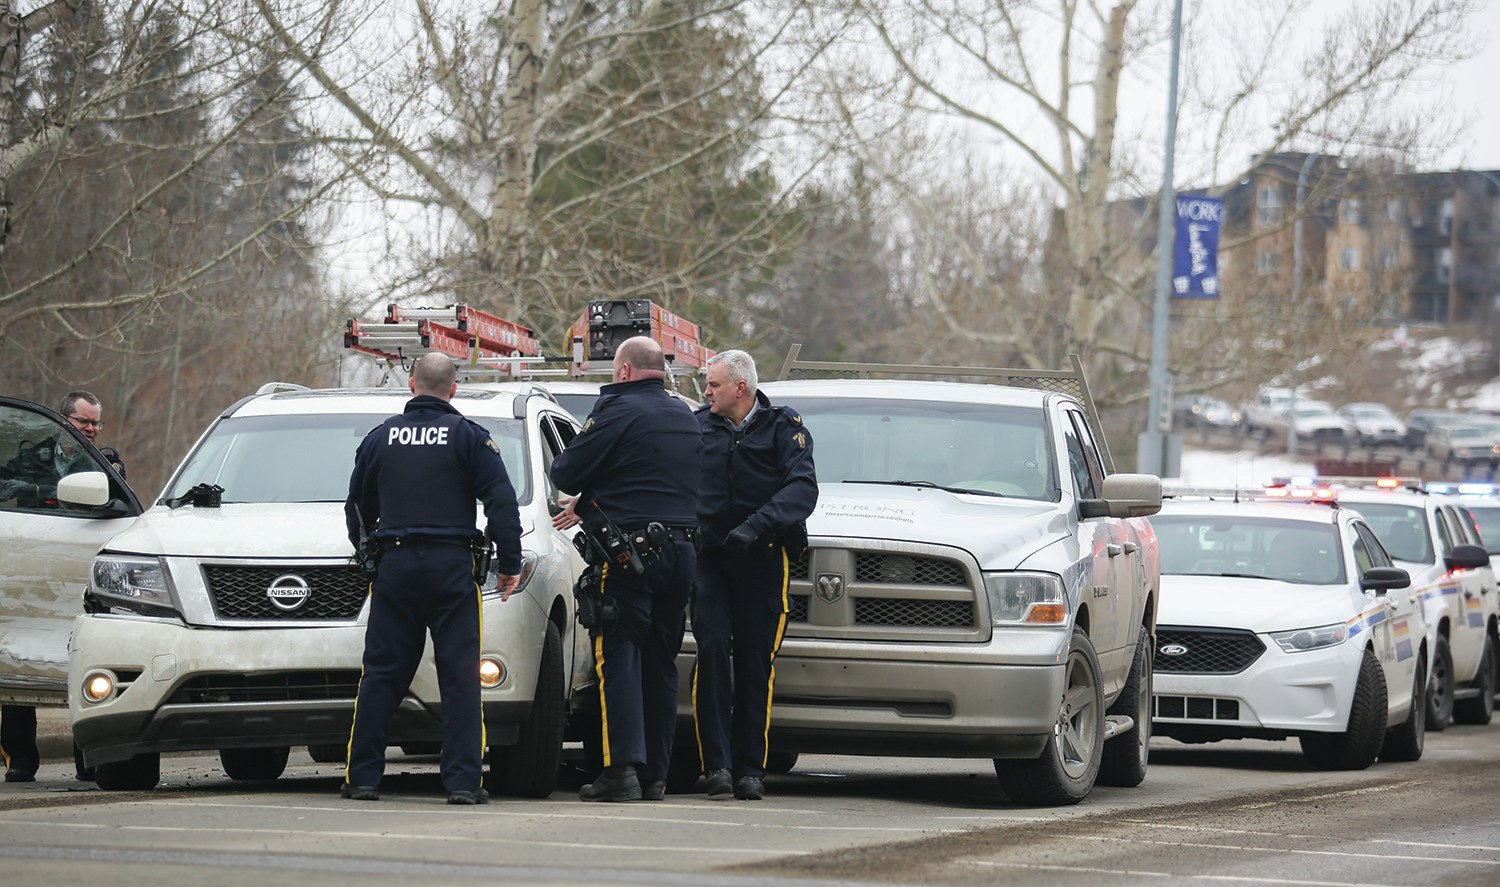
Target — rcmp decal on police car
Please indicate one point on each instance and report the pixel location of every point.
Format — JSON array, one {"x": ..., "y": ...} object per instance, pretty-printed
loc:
[{"x": 1401, "y": 631}]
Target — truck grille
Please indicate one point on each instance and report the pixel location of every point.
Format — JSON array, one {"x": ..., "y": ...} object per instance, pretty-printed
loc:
[
  {"x": 1205, "y": 650},
  {"x": 288, "y": 686},
  {"x": 334, "y": 593},
  {"x": 851, "y": 593}
]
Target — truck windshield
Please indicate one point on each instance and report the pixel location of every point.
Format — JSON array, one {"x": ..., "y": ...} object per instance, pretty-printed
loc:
[
  {"x": 985, "y": 448},
  {"x": 308, "y": 458},
  {"x": 1256, "y": 548}
]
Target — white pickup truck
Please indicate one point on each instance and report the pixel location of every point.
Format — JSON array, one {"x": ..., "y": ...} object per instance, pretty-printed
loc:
[{"x": 977, "y": 584}]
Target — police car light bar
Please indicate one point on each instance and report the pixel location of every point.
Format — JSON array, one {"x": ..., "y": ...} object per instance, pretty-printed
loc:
[{"x": 1465, "y": 488}]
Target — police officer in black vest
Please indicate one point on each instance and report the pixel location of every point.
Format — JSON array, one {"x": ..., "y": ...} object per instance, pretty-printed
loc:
[
  {"x": 635, "y": 465},
  {"x": 757, "y": 490},
  {"x": 412, "y": 493}
]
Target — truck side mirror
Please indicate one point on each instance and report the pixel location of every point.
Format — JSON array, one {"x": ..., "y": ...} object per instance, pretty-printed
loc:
[{"x": 1125, "y": 495}]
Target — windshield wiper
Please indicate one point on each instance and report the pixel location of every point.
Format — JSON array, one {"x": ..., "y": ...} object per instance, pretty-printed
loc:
[{"x": 927, "y": 484}]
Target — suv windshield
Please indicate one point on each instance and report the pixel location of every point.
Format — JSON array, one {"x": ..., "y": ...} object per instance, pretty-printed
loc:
[
  {"x": 1402, "y": 529},
  {"x": 982, "y": 448},
  {"x": 308, "y": 458},
  {"x": 1258, "y": 548}
]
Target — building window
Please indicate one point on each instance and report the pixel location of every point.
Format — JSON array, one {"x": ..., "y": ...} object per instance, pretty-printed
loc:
[
  {"x": 1389, "y": 259},
  {"x": 1267, "y": 262},
  {"x": 1445, "y": 217},
  {"x": 1268, "y": 204},
  {"x": 1349, "y": 259},
  {"x": 1393, "y": 209},
  {"x": 1349, "y": 211},
  {"x": 1445, "y": 261}
]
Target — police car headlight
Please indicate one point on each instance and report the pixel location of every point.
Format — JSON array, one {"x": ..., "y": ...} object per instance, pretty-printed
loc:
[
  {"x": 491, "y": 584},
  {"x": 1304, "y": 639},
  {"x": 1025, "y": 599},
  {"x": 131, "y": 585}
]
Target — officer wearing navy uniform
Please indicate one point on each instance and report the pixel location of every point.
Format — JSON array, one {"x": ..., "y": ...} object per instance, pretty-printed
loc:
[
  {"x": 634, "y": 464},
  {"x": 416, "y": 477},
  {"x": 757, "y": 489}
]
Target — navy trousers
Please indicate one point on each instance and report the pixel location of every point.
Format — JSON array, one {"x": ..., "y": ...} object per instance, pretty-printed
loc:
[
  {"x": 18, "y": 738},
  {"x": 635, "y": 660},
  {"x": 739, "y": 618},
  {"x": 421, "y": 587}
]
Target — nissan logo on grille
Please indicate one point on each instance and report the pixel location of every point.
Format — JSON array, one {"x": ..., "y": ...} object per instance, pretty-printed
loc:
[
  {"x": 288, "y": 592},
  {"x": 1173, "y": 650}
]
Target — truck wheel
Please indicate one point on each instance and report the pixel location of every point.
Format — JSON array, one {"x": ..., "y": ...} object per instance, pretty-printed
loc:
[
  {"x": 140, "y": 773},
  {"x": 1123, "y": 762},
  {"x": 1440, "y": 691},
  {"x": 328, "y": 752},
  {"x": 1357, "y": 746},
  {"x": 1479, "y": 709},
  {"x": 781, "y": 761},
  {"x": 254, "y": 764},
  {"x": 1404, "y": 742},
  {"x": 1065, "y": 771},
  {"x": 531, "y": 766}
]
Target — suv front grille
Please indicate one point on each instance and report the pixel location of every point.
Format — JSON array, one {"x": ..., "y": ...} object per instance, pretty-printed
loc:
[
  {"x": 287, "y": 686},
  {"x": 334, "y": 593},
  {"x": 1205, "y": 650}
]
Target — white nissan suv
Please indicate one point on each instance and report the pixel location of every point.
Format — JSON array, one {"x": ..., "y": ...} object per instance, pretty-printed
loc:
[{"x": 229, "y": 616}]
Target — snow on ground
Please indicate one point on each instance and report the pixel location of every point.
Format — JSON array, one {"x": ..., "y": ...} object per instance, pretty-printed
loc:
[{"x": 1237, "y": 468}]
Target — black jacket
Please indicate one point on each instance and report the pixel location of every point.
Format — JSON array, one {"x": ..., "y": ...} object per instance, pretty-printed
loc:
[
  {"x": 635, "y": 457},
  {"x": 762, "y": 475},
  {"x": 418, "y": 474}
]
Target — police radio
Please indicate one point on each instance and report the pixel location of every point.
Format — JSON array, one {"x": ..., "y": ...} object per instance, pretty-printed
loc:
[{"x": 604, "y": 542}]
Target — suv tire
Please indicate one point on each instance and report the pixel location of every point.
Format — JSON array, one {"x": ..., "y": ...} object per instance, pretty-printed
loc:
[
  {"x": 1405, "y": 741},
  {"x": 254, "y": 764},
  {"x": 138, "y": 774},
  {"x": 530, "y": 767},
  {"x": 1440, "y": 691},
  {"x": 1479, "y": 709}
]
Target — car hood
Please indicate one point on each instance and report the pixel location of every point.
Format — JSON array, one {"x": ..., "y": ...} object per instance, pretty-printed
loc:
[
  {"x": 1259, "y": 605},
  {"x": 280, "y": 530},
  {"x": 1000, "y": 533}
]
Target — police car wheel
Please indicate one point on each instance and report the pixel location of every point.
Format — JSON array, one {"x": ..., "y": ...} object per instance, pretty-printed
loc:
[
  {"x": 1440, "y": 691},
  {"x": 530, "y": 768},
  {"x": 138, "y": 774},
  {"x": 1479, "y": 709},
  {"x": 328, "y": 752},
  {"x": 1357, "y": 747},
  {"x": 780, "y": 761},
  {"x": 1405, "y": 741},
  {"x": 1065, "y": 771},
  {"x": 254, "y": 764}
]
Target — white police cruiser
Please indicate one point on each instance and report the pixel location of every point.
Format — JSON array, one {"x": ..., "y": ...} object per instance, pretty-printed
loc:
[
  {"x": 1282, "y": 619},
  {"x": 1434, "y": 540},
  {"x": 234, "y": 619}
]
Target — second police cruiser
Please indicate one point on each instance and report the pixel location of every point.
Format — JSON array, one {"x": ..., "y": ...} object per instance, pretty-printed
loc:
[{"x": 632, "y": 466}]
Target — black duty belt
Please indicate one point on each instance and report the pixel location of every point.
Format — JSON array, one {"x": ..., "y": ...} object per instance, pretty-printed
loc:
[
  {"x": 403, "y": 541},
  {"x": 677, "y": 534}
]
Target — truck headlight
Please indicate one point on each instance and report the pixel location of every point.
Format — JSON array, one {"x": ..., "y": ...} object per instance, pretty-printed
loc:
[
  {"x": 132, "y": 585},
  {"x": 1026, "y": 599},
  {"x": 1304, "y": 639}
]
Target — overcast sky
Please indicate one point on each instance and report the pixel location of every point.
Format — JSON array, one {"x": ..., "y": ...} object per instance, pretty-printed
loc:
[{"x": 1473, "y": 84}]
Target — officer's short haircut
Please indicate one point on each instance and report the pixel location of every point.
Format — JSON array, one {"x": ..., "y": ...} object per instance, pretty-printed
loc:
[
  {"x": 71, "y": 399},
  {"x": 740, "y": 366},
  {"x": 434, "y": 374},
  {"x": 642, "y": 353}
]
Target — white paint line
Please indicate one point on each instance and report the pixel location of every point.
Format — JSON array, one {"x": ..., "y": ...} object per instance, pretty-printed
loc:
[
  {"x": 1340, "y": 853},
  {"x": 1260, "y": 834},
  {"x": 1142, "y": 874}
]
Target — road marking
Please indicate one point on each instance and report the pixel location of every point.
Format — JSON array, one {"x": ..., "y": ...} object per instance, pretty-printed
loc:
[
  {"x": 1174, "y": 875},
  {"x": 1236, "y": 831},
  {"x": 1341, "y": 853},
  {"x": 1347, "y": 793}
]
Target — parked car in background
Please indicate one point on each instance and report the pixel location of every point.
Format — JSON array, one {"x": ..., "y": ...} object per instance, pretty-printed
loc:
[
  {"x": 1461, "y": 443},
  {"x": 1265, "y": 409},
  {"x": 1420, "y": 422},
  {"x": 1490, "y": 425},
  {"x": 1313, "y": 421},
  {"x": 1205, "y": 411},
  {"x": 1372, "y": 424}
]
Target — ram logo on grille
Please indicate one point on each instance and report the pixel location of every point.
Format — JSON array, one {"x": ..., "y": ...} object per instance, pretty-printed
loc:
[
  {"x": 288, "y": 592},
  {"x": 830, "y": 587}
]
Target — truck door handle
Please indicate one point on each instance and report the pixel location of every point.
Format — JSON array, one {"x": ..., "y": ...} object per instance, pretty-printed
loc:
[
  {"x": 1131, "y": 548},
  {"x": 1114, "y": 549}
]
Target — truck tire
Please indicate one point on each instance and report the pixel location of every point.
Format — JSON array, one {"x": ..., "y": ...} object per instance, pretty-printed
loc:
[
  {"x": 531, "y": 765},
  {"x": 1123, "y": 762},
  {"x": 328, "y": 752},
  {"x": 1440, "y": 691},
  {"x": 140, "y": 773},
  {"x": 1479, "y": 709},
  {"x": 1065, "y": 771},
  {"x": 1405, "y": 741},
  {"x": 1357, "y": 746},
  {"x": 254, "y": 764}
]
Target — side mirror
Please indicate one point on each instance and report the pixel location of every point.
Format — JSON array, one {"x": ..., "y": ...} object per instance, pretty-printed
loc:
[
  {"x": 1383, "y": 579},
  {"x": 1125, "y": 495},
  {"x": 1467, "y": 557},
  {"x": 92, "y": 488}
]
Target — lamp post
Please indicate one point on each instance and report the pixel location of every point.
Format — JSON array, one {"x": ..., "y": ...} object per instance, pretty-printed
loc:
[{"x": 1291, "y": 407}]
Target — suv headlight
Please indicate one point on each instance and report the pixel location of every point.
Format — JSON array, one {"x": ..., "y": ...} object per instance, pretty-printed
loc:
[
  {"x": 131, "y": 584},
  {"x": 491, "y": 584},
  {"x": 1304, "y": 639},
  {"x": 1026, "y": 599}
]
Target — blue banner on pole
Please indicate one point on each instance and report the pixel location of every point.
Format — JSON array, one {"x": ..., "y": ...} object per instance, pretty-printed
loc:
[{"x": 1195, "y": 263}]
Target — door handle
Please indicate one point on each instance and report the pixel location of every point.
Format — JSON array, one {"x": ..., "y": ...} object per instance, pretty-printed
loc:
[
  {"x": 1114, "y": 549},
  {"x": 1131, "y": 548}
]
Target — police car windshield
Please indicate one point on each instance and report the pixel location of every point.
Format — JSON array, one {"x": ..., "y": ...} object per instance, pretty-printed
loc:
[
  {"x": 1257, "y": 548},
  {"x": 1402, "y": 529},
  {"x": 985, "y": 449},
  {"x": 308, "y": 458}
]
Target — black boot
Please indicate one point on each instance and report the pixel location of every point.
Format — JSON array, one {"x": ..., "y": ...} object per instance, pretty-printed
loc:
[{"x": 617, "y": 783}]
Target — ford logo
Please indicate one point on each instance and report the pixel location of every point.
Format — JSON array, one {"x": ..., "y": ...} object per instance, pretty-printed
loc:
[
  {"x": 1173, "y": 650},
  {"x": 288, "y": 592}
]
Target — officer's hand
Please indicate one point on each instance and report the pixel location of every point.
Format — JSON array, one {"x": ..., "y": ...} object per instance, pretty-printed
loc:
[
  {"x": 741, "y": 538},
  {"x": 10, "y": 489},
  {"x": 568, "y": 517},
  {"x": 507, "y": 585}
]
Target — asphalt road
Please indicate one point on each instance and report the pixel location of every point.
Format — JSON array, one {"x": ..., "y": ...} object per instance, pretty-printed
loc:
[{"x": 1243, "y": 812}]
